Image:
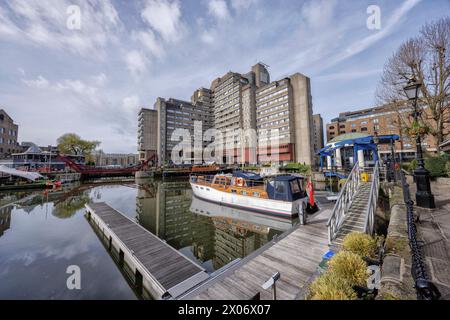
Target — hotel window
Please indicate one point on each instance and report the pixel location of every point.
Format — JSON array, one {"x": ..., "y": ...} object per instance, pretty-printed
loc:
[
  {"x": 376, "y": 127},
  {"x": 376, "y": 121},
  {"x": 363, "y": 122},
  {"x": 363, "y": 129},
  {"x": 342, "y": 126}
]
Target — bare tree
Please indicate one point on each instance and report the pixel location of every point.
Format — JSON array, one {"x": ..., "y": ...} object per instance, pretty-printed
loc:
[{"x": 422, "y": 58}]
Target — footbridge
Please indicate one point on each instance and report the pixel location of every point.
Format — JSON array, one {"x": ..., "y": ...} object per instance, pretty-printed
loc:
[{"x": 356, "y": 205}]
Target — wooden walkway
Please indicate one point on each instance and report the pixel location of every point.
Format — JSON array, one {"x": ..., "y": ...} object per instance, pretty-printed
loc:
[
  {"x": 296, "y": 257},
  {"x": 162, "y": 270}
]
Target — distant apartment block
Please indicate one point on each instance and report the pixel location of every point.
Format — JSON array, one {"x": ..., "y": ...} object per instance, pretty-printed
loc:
[
  {"x": 177, "y": 114},
  {"x": 383, "y": 120},
  {"x": 123, "y": 160},
  {"x": 147, "y": 134},
  {"x": 9, "y": 132}
]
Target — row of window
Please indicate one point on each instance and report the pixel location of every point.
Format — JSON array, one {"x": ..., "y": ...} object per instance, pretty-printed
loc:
[
  {"x": 274, "y": 116},
  {"x": 281, "y": 106},
  {"x": 8, "y": 141},
  {"x": 12, "y": 133},
  {"x": 265, "y": 98},
  {"x": 362, "y": 123},
  {"x": 273, "y": 123}
]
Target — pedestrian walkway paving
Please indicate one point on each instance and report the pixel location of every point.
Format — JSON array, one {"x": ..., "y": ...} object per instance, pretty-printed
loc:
[{"x": 434, "y": 232}]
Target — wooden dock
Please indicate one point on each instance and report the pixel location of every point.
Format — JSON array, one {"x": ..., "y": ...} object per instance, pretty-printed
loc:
[
  {"x": 162, "y": 270},
  {"x": 296, "y": 257}
]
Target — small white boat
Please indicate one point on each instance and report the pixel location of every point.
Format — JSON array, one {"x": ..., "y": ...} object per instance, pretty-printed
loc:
[{"x": 282, "y": 196}]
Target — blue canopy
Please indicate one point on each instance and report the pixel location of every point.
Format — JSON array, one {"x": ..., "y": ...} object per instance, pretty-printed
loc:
[
  {"x": 358, "y": 143},
  {"x": 247, "y": 175}
]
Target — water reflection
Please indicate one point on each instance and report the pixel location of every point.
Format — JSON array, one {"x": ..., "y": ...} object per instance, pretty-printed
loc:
[
  {"x": 5, "y": 219},
  {"x": 209, "y": 234},
  {"x": 42, "y": 233}
]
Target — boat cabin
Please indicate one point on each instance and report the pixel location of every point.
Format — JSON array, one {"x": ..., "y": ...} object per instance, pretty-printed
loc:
[{"x": 286, "y": 188}]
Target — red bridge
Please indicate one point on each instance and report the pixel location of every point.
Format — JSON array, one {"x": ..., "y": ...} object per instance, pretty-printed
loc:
[{"x": 92, "y": 171}]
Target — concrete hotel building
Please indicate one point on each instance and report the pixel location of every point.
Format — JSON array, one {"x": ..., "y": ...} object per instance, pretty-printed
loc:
[
  {"x": 236, "y": 102},
  {"x": 9, "y": 132},
  {"x": 383, "y": 120},
  {"x": 286, "y": 105},
  {"x": 147, "y": 134},
  {"x": 177, "y": 114}
]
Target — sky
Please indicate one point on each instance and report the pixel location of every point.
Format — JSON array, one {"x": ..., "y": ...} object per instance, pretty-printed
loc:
[{"x": 90, "y": 76}]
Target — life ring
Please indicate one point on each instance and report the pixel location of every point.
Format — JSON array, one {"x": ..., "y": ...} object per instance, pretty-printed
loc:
[{"x": 240, "y": 182}]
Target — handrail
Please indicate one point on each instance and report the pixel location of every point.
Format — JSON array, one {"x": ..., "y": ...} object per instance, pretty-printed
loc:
[
  {"x": 425, "y": 289},
  {"x": 373, "y": 200},
  {"x": 344, "y": 202}
]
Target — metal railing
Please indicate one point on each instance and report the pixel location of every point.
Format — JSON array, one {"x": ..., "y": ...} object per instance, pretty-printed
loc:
[
  {"x": 425, "y": 289},
  {"x": 344, "y": 202},
  {"x": 373, "y": 200}
]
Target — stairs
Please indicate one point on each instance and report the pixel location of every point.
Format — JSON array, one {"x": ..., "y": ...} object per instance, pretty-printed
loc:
[{"x": 355, "y": 217}]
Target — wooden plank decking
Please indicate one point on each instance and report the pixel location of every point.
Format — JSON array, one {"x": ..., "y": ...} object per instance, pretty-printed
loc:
[
  {"x": 165, "y": 271},
  {"x": 296, "y": 257}
]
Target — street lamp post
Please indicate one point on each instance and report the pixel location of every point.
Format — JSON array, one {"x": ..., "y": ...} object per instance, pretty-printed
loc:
[{"x": 424, "y": 197}]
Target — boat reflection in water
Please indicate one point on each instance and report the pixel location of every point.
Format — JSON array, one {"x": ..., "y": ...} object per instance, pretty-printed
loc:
[{"x": 247, "y": 220}]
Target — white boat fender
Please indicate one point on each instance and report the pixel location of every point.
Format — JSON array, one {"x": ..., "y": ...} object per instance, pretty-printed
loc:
[{"x": 302, "y": 213}]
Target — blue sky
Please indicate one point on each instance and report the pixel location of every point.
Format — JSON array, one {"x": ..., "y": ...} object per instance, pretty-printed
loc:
[{"x": 92, "y": 81}]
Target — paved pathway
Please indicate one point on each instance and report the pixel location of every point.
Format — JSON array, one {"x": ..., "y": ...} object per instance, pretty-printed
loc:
[{"x": 434, "y": 231}]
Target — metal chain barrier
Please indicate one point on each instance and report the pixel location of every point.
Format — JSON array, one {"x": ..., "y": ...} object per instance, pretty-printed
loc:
[{"x": 426, "y": 290}]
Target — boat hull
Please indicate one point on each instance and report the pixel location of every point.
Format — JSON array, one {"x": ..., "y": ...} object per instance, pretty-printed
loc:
[{"x": 266, "y": 206}]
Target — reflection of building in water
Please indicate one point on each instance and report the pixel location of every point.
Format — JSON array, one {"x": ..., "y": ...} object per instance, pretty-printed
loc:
[
  {"x": 164, "y": 208},
  {"x": 236, "y": 239},
  {"x": 166, "y": 214},
  {"x": 5, "y": 219}
]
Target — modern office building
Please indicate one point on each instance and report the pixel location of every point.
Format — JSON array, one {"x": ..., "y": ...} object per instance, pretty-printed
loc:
[
  {"x": 285, "y": 106},
  {"x": 383, "y": 120},
  {"x": 9, "y": 132},
  {"x": 177, "y": 114},
  {"x": 147, "y": 134}
]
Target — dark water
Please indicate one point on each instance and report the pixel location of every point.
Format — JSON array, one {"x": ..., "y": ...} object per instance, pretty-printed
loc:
[{"x": 43, "y": 234}]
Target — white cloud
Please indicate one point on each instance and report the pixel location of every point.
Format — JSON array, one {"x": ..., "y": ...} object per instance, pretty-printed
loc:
[
  {"x": 43, "y": 22},
  {"x": 239, "y": 5},
  {"x": 318, "y": 13},
  {"x": 131, "y": 104},
  {"x": 100, "y": 80},
  {"x": 164, "y": 16},
  {"x": 39, "y": 83},
  {"x": 218, "y": 9},
  {"x": 136, "y": 63},
  {"x": 207, "y": 37},
  {"x": 149, "y": 42}
]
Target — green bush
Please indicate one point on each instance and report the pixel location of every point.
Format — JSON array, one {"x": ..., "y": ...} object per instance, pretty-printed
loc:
[
  {"x": 447, "y": 168},
  {"x": 350, "y": 267},
  {"x": 298, "y": 168},
  {"x": 360, "y": 243},
  {"x": 329, "y": 286},
  {"x": 436, "y": 166},
  {"x": 412, "y": 165}
]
